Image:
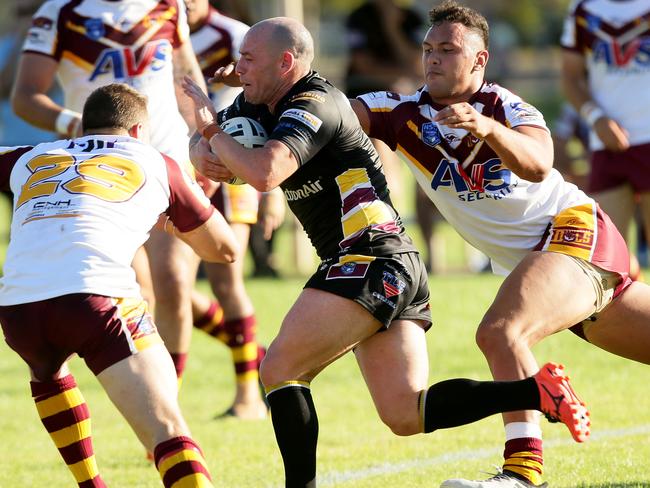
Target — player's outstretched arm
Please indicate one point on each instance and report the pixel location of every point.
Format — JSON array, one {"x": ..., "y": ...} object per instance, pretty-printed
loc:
[
  {"x": 213, "y": 241},
  {"x": 30, "y": 101},
  {"x": 186, "y": 65},
  {"x": 576, "y": 89},
  {"x": 527, "y": 151}
]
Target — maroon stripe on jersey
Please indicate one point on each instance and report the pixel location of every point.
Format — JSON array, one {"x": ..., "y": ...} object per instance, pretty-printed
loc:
[
  {"x": 42, "y": 390},
  {"x": 77, "y": 451},
  {"x": 209, "y": 66},
  {"x": 604, "y": 25},
  {"x": 183, "y": 469},
  {"x": 357, "y": 197},
  {"x": 66, "y": 418},
  {"x": 90, "y": 50},
  {"x": 186, "y": 210},
  {"x": 390, "y": 227},
  {"x": 64, "y": 16},
  {"x": 7, "y": 162}
]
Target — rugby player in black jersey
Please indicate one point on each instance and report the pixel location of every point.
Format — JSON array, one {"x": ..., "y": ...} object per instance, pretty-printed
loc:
[{"x": 370, "y": 291}]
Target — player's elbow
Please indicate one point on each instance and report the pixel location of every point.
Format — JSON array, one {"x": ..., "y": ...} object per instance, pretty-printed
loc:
[
  {"x": 538, "y": 174},
  {"x": 20, "y": 102}
]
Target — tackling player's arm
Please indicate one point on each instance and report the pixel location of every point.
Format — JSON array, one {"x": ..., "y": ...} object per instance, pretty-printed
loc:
[
  {"x": 195, "y": 221},
  {"x": 213, "y": 241},
  {"x": 29, "y": 99},
  {"x": 185, "y": 64},
  {"x": 576, "y": 89},
  {"x": 527, "y": 151}
]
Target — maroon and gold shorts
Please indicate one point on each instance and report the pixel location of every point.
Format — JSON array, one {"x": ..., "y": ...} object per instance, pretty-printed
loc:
[
  {"x": 237, "y": 203},
  {"x": 612, "y": 169},
  {"x": 101, "y": 330},
  {"x": 587, "y": 234}
]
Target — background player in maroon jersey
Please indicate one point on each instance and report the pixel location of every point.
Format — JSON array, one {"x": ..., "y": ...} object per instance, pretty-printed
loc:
[{"x": 215, "y": 39}]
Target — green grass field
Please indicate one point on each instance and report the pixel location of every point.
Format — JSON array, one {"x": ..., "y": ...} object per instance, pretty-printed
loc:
[{"x": 355, "y": 449}]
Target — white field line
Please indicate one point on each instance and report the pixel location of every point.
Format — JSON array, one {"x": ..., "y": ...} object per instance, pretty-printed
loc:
[{"x": 336, "y": 478}]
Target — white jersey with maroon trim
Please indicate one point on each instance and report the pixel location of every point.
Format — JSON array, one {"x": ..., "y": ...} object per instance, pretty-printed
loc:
[
  {"x": 496, "y": 211},
  {"x": 97, "y": 43},
  {"x": 82, "y": 207},
  {"x": 216, "y": 44},
  {"x": 614, "y": 38}
]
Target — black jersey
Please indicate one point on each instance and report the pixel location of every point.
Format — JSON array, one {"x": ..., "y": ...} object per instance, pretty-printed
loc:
[{"x": 339, "y": 192}]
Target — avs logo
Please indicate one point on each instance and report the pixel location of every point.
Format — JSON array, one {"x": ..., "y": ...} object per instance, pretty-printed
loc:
[
  {"x": 487, "y": 180},
  {"x": 124, "y": 63},
  {"x": 431, "y": 134},
  {"x": 616, "y": 55}
]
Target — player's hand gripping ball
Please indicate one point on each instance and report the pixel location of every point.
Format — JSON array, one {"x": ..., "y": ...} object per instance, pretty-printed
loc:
[{"x": 248, "y": 132}]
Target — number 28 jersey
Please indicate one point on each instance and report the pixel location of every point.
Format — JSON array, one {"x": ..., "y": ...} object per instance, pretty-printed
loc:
[{"x": 82, "y": 208}]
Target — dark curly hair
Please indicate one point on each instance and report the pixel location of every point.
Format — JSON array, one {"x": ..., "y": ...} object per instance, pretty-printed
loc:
[{"x": 451, "y": 11}]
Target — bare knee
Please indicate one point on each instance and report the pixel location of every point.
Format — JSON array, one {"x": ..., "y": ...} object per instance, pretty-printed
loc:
[
  {"x": 401, "y": 416},
  {"x": 494, "y": 336},
  {"x": 274, "y": 368}
]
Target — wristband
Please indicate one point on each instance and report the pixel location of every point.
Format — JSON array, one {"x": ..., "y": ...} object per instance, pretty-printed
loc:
[
  {"x": 67, "y": 121},
  {"x": 590, "y": 112},
  {"x": 211, "y": 130}
]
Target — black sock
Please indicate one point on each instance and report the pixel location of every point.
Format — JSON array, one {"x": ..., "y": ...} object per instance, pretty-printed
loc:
[
  {"x": 457, "y": 402},
  {"x": 296, "y": 431}
]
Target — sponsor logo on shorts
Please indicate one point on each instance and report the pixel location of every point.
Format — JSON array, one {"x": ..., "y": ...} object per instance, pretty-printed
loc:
[
  {"x": 383, "y": 299},
  {"x": 583, "y": 238},
  {"x": 307, "y": 118},
  {"x": 392, "y": 285},
  {"x": 347, "y": 270}
]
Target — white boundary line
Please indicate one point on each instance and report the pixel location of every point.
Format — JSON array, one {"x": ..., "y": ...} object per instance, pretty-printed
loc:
[{"x": 335, "y": 478}]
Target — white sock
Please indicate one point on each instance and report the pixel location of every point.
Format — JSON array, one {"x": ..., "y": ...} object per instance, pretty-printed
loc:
[{"x": 517, "y": 430}]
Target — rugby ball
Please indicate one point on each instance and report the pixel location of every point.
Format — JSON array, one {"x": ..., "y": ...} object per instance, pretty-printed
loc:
[{"x": 248, "y": 132}]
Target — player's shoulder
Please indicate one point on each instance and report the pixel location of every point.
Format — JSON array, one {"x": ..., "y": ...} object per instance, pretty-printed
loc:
[
  {"x": 388, "y": 101},
  {"x": 50, "y": 9},
  {"x": 222, "y": 21},
  {"x": 498, "y": 93},
  {"x": 580, "y": 5}
]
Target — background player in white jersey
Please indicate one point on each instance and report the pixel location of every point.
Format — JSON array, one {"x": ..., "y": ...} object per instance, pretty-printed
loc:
[
  {"x": 484, "y": 157},
  {"x": 144, "y": 43},
  {"x": 82, "y": 207},
  {"x": 215, "y": 39},
  {"x": 605, "y": 76}
]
